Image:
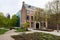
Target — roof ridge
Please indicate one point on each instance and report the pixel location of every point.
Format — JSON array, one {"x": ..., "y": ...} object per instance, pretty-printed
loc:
[{"x": 31, "y": 6}]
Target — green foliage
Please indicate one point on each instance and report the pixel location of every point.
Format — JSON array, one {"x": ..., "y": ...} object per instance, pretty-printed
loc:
[
  {"x": 21, "y": 30},
  {"x": 26, "y": 25},
  {"x": 2, "y": 19},
  {"x": 36, "y": 36},
  {"x": 1, "y": 14},
  {"x": 7, "y": 22},
  {"x": 11, "y": 22},
  {"x": 2, "y": 31},
  {"x": 14, "y": 20}
]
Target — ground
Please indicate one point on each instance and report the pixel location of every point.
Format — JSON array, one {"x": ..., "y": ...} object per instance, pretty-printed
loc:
[{"x": 7, "y": 35}]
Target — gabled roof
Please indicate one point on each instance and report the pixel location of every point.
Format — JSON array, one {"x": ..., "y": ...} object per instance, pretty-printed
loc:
[{"x": 29, "y": 6}]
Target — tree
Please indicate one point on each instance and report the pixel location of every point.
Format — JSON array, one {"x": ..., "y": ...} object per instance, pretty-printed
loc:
[
  {"x": 1, "y": 14},
  {"x": 14, "y": 20},
  {"x": 2, "y": 19},
  {"x": 54, "y": 8},
  {"x": 10, "y": 23}
]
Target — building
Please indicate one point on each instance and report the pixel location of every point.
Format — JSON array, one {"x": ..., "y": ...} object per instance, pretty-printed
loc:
[
  {"x": 27, "y": 15},
  {"x": 18, "y": 14}
]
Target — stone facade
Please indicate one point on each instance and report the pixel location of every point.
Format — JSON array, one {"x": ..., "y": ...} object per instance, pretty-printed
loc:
[
  {"x": 23, "y": 14},
  {"x": 27, "y": 15}
]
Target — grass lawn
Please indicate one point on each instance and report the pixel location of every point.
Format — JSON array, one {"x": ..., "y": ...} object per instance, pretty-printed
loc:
[
  {"x": 20, "y": 30},
  {"x": 2, "y": 31}
]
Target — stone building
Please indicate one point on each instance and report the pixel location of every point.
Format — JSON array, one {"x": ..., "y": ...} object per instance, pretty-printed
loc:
[{"x": 27, "y": 15}]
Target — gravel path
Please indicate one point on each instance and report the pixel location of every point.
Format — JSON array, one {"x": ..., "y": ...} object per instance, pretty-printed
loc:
[
  {"x": 7, "y": 35},
  {"x": 53, "y": 32}
]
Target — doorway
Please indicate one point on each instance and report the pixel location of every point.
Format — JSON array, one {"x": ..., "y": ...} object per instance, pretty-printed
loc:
[{"x": 37, "y": 25}]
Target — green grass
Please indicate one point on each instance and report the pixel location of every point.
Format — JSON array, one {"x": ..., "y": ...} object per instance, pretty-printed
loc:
[
  {"x": 2, "y": 31},
  {"x": 20, "y": 30}
]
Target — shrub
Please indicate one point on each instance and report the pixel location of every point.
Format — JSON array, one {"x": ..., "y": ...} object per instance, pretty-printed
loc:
[
  {"x": 26, "y": 25},
  {"x": 21, "y": 30}
]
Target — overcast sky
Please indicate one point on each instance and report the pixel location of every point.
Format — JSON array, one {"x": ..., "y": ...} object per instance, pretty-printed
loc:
[{"x": 12, "y": 6}]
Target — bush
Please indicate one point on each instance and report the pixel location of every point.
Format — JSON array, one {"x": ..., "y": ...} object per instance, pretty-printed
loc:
[
  {"x": 21, "y": 30},
  {"x": 36, "y": 36},
  {"x": 26, "y": 25}
]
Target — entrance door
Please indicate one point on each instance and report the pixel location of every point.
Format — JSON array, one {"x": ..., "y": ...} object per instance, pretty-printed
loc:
[{"x": 37, "y": 25}]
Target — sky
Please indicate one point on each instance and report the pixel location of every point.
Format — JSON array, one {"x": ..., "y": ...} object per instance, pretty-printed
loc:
[{"x": 13, "y": 6}]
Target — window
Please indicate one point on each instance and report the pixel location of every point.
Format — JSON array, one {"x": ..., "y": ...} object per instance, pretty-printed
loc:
[
  {"x": 32, "y": 24},
  {"x": 31, "y": 11},
  {"x": 29, "y": 6},
  {"x": 31, "y": 17},
  {"x": 28, "y": 11},
  {"x": 27, "y": 17}
]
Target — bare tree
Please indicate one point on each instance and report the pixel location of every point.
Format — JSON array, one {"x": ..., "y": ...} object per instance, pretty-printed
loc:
[{"x": 54, "y": 8}]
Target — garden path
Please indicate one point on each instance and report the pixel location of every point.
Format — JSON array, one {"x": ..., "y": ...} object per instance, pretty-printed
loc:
[{"x": 7, "y": 35}]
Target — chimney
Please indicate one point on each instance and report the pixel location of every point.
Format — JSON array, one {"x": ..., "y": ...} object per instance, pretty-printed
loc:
[{"x": 23, "y": 2}]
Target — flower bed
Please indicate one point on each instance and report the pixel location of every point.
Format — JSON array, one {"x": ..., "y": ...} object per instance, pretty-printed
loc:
[{"x": 36, "y": 36}]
